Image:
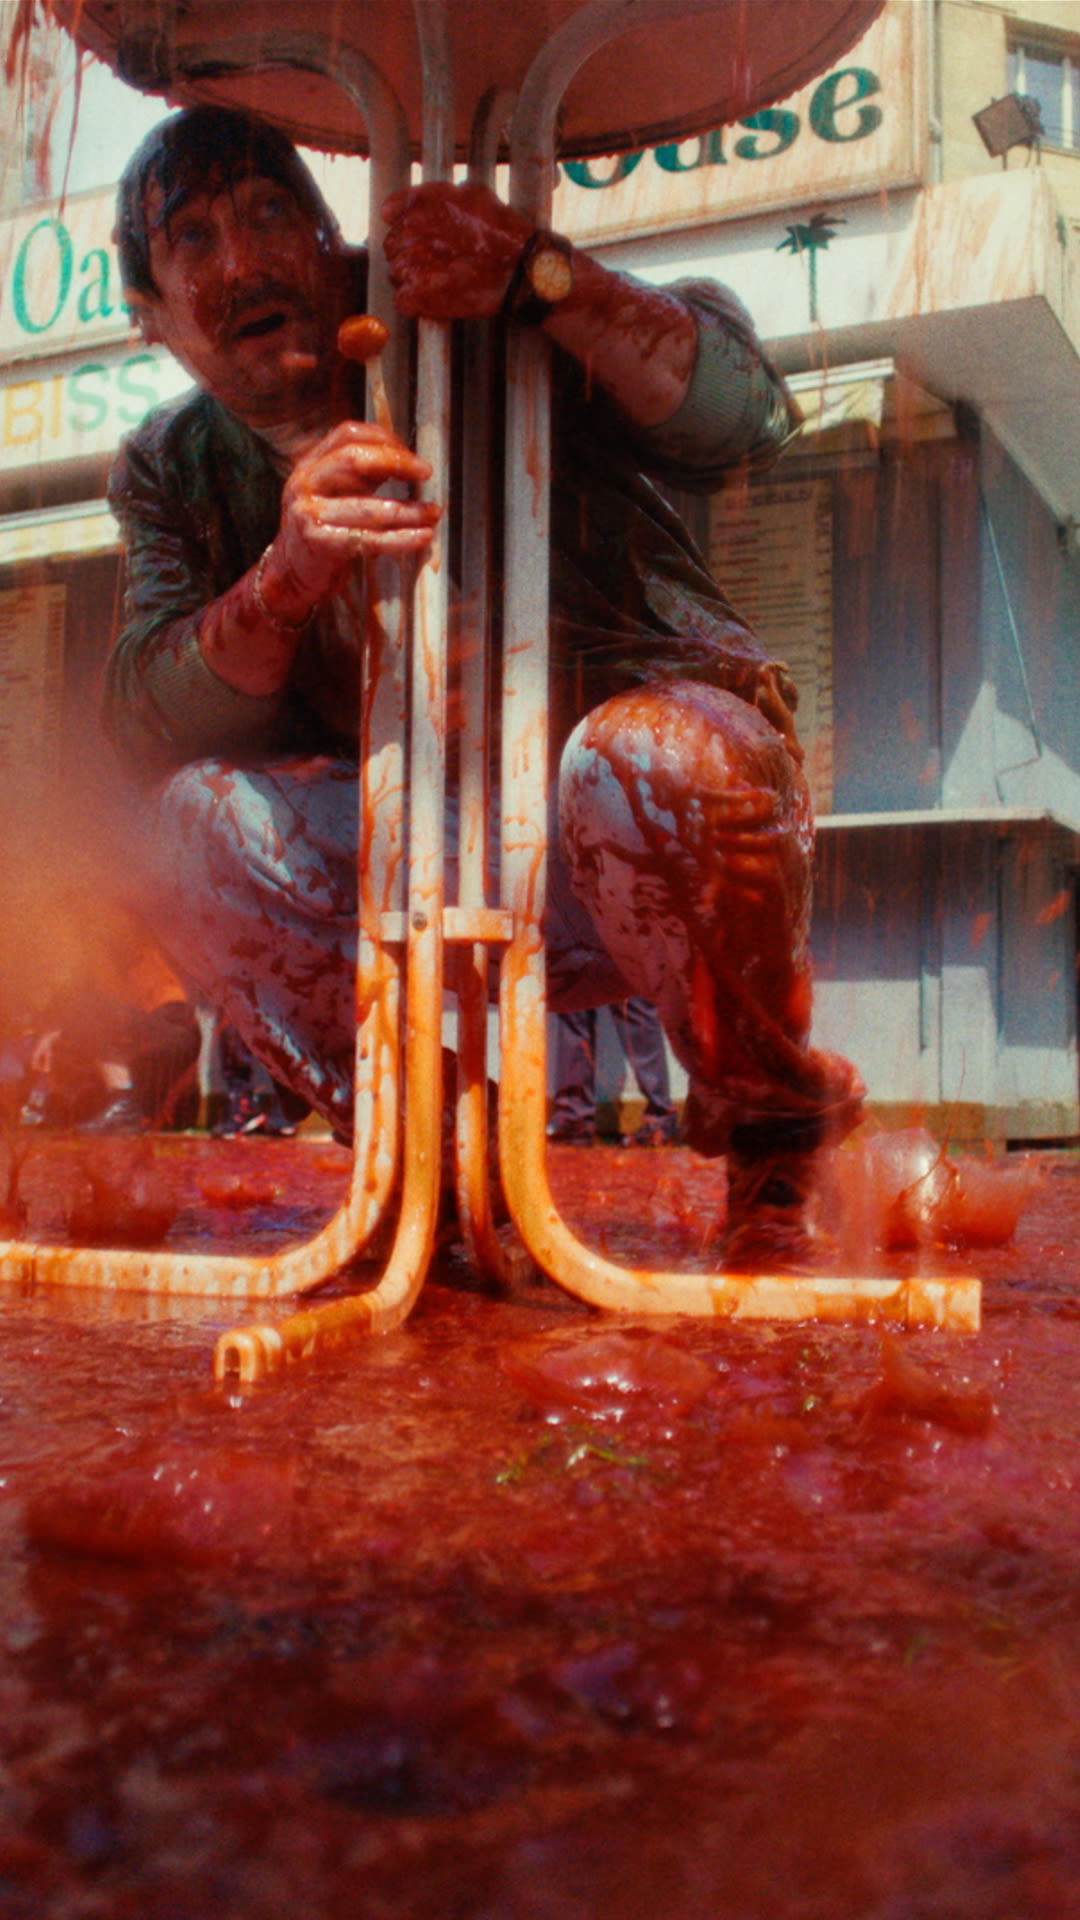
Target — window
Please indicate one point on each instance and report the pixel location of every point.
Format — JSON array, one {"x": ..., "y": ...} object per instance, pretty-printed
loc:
[
  {"x": 78, "y": 129},
  {"x": 1050, "y": 75}
]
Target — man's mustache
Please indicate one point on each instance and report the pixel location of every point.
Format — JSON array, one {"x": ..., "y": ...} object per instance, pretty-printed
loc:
[{"x": 255, "y": 299}]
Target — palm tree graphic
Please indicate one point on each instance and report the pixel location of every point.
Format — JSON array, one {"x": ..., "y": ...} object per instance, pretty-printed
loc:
[{"x": 811, "y": 240}]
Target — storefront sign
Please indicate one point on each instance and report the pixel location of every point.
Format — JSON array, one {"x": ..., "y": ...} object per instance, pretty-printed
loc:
[
  {"x": 858, "y": 129},
  {"x": 771, "y": 550},
  {"x": 47, "y": 417},
  {"x": 61, "y": 282}
]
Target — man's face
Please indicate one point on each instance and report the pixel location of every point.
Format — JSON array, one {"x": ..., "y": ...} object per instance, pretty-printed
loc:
[{"x": 246, "y": 295}]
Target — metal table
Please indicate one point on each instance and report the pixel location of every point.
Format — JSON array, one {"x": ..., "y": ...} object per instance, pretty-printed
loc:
[{"x": 445, "y": 82}]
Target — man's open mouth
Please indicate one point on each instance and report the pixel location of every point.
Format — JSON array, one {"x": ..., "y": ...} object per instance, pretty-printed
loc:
[{"x": 265, "y": 323}]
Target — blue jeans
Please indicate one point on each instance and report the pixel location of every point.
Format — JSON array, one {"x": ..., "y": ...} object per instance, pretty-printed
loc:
[
  {"x": 642, "y": 1039},
  {"x": 679, "y": 872}
]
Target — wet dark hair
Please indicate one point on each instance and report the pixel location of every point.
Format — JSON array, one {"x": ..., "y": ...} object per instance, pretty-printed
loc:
[{"x": 181, "y": 153}]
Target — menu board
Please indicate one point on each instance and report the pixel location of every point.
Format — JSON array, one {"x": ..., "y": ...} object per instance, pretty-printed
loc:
[
  {"x": 31, "y": 684},
  {"x": 770, "y": 549}
]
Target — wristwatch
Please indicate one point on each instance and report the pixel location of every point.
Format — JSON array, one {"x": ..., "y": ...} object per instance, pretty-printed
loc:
[{"x": 542, "y": 278}]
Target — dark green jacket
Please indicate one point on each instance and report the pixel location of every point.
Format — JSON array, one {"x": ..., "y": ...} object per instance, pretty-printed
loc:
[{"x": 198, "y": 498}]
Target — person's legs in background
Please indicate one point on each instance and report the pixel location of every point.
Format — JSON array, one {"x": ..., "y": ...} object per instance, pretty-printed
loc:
[
  {"x": 253, "y": 1103},
  {"x": 163, "y": 1056},
  {"x": 641, "y": 1036},
  {"x": 573, "y": 1112}
]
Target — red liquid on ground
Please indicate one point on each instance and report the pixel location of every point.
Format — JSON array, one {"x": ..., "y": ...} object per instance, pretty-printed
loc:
[{"x": 526, "y": 1614}]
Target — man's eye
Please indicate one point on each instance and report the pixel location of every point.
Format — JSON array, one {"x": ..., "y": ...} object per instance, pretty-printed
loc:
[
  {"x": 192, "y": 237},
  {"x": 270, "y": 208}
]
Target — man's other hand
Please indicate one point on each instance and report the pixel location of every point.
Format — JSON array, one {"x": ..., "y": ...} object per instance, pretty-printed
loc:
[
  {"x": 776, "y": 696},
  {"x": 452, "y": 250}
]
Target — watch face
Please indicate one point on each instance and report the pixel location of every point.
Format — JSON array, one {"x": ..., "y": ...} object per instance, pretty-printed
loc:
[{"x": 551, "y": 274}]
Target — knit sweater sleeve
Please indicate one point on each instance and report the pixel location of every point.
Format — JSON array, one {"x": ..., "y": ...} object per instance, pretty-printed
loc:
[
  {"x": 737, "y": 407},
  {"x": 163, "y": 704}
]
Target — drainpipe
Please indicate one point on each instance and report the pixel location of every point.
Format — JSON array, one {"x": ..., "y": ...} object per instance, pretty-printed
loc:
[{"x": 935, "y": 125}]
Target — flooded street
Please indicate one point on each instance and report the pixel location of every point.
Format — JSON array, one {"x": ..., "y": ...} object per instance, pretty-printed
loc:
[
  {"x": 520, "y": 1612},
  {"x": 646, "y": 429}
]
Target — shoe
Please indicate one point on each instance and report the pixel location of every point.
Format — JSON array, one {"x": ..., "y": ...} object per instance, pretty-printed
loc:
[
  {"x": 272, "y": 1122},
  {"x": 238, "y": 1111},
  {"x": 571, "y": 1133},
  {"x": 770, "y": 1226},
  {"x": 120, "y": 1114},
  {"x": 252, "y": 1113},
  {"x": 241, "y": 1115},
  {"x": 656, "y": 1130},
  {"x": 42, "y": 1109}
]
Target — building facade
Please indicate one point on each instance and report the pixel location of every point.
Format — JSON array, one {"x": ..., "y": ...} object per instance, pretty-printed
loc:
[{"x": 915, "y": 555}]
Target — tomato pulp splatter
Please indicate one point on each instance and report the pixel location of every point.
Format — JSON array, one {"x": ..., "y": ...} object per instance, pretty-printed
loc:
[{"x": 472, "y": 1619}]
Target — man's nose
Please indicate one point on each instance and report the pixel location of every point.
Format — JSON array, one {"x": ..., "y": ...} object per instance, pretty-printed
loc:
[{"x": 238, "y": 251}]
